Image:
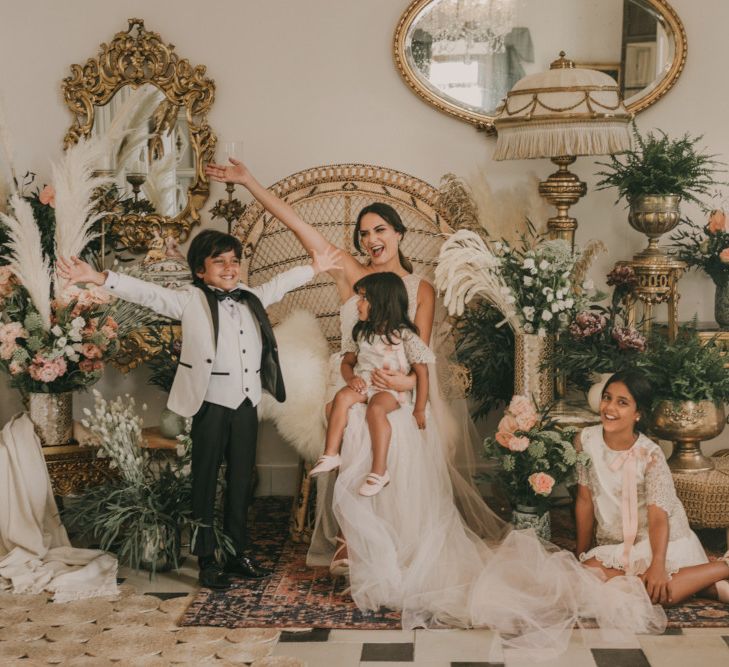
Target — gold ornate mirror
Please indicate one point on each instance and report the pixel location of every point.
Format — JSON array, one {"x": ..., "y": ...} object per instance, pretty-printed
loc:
[
  {"x": 161, "y": 177},
  {"x": 462, "y": 56}
]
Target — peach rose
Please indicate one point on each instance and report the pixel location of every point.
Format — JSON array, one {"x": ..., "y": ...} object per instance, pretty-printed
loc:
[
  {"x": 91, "y": 351},
  {"x": 505, "y": 430},
  {"x": 541, "y": 483},
  {"x": 717, "y": 221},
  {"x": 724, "y": 256},
  {"x": 47, "y": 196},
  {"x": 523, "y": 411}
]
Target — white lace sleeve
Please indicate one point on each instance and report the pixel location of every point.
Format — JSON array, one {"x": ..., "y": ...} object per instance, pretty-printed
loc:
[
  {"x": 416, "y": 351},
  {"x": 659, "y": 489},
  {"x": 583, "y": 475},
  {"x": 348, "y": 345}
]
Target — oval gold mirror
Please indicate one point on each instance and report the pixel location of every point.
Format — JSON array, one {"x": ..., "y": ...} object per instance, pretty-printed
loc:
[
  {"x": 158, "y": 171},
  {"x": 462, "y": 56}
]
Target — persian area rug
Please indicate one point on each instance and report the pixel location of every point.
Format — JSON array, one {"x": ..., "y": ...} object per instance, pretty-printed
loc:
[{"x": 297, "y": 596}]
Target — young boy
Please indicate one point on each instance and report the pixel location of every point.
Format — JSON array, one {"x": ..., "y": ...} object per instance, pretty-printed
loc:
[{"x": 228, "y": 357}]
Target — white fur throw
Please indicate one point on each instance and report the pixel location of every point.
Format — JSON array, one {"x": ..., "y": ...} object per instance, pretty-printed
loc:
[{"x": 304, "y": 355}]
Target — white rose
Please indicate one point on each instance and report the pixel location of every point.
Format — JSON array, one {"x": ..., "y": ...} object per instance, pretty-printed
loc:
[
  {"x": 528, "y": 263},
  {"x": 569, "y": 303},
  {"x": 61, "y": 342},
  {"x": 546, "y": 315},
  {"x": 555, "y": 306},
  {"x": 528, "y": 312},
  {"x": 78, "y": 323},
  {"x": 544, "y": 265},
  {"x": 528, "y": 328},
  {"x": 56, "y": 331},
  {"x": 528, "y": 281},
  {"x": 550, "y": 297}
]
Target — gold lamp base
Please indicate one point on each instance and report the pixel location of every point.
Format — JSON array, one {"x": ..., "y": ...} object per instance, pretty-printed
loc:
[{"x": 562, "y": 189}]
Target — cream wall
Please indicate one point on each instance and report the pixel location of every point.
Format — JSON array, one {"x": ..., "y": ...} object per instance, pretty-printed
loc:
[{"x": 313, "y": 82}]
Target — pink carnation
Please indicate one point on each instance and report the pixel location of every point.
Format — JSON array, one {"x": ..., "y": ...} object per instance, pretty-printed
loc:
[
  {"x": 47, "y": 370},
  {"x": 47, "y": 196},
  {"x": 724, "y": 256},
  {"x": 541, "y": 483},
  {"x": 717, "y": 222},
  {"x": 91, "y": 351}
]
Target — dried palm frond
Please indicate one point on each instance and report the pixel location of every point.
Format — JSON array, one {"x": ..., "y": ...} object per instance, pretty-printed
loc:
[
  {"x": 74, "y": 181},
  {"x": 160, "y": 186},
  {"x": 587, "y": 256},
  {"x": 466, "y": 267},
  {"x": 456, "y": 199},
  {"x": 26, "y": 259}
]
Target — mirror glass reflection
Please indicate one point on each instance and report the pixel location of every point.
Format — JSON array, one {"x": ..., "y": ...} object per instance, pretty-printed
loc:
[
  {"x": 154, "y": 164},
  {"x": 469, "y": 53}
]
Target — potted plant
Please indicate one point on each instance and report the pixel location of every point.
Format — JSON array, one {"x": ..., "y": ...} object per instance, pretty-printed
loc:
[
  {"x": 599, "y": 341},
  {"x": 534, "y": 454},
  {"x": 691, "y": 385},
  {"x": 141, "y": 512},
  {"x": 655, "y": 176},
  {"x": 707, "y": 248}
]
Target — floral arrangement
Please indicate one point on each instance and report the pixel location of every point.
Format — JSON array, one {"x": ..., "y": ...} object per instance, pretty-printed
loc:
[
  {"x": 532, "y": 284},
  {"x": 142, "y": 511},
  {"x": 68, "y": 355},
  {"x": 533, "y": 454},
  {"x": 705, "y": 248},
  {"x": 599, "y": 339}
]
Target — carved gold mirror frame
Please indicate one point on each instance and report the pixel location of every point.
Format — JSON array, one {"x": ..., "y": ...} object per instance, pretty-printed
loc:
[
  {"x": 137, "y": 57},
  {"x": 484, "y": 121}
]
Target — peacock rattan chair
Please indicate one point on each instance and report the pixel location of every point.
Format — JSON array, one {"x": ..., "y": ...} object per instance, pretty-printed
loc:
[{"x": 329, "y": 198}]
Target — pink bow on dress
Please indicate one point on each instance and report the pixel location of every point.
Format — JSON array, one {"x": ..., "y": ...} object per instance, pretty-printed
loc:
[{"x": 628, "y": 461}]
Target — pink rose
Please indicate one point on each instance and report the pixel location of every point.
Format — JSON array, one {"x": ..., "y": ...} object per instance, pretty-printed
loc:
[
  {"x": 90, "y": 365},
  {"x": 518, "y": 444},
  {"x": 91, "y": 351},
  {"x": 505, "y": 430},
  {"x": 524, "y": 413},
  {"x": 16, "y": 368},
  {"x": 47, "y": 196},
  {"x": 541, "y": 483},
  {"x": 717, "y": 222},
  {"x": 46, "y": 370}
]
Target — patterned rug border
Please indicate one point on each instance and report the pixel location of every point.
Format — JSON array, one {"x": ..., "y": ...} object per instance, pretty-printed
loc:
[{"x": 300, "y": 597}]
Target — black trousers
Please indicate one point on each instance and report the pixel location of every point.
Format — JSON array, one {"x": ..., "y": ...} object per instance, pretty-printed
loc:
[{"x": 223, "y": 434}]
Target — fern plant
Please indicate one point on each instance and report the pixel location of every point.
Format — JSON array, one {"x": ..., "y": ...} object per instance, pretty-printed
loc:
[{"x": 662, "y": 166}]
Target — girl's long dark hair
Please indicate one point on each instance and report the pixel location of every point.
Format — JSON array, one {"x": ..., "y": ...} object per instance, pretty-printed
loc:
[
  {"x": 392, "y": 218},
  {"x": 640, "y": 389},
  {"x": 388, "y": 301}
]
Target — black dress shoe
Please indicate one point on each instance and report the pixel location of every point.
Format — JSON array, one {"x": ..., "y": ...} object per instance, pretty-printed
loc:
[
  {"x": 215, "y": 578},
  {"x": 245, "y": 566}
]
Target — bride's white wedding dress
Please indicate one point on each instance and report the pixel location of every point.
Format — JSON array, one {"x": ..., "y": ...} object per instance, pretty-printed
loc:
[{"x": 411, "y": 549}]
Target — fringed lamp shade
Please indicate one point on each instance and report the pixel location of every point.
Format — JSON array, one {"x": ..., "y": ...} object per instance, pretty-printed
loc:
[{"x": 560, "y": 114}]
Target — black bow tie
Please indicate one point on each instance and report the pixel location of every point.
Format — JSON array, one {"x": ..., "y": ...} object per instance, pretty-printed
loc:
[{"x": 237, "y": 294}]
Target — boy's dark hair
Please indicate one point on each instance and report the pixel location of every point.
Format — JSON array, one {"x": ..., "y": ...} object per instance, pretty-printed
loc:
[
  {"x": 640, "y": 389},
  {"x": 210, "y": 243},
  {"x": 392, "y": 218},
  {"x": 388, "y": 301}
]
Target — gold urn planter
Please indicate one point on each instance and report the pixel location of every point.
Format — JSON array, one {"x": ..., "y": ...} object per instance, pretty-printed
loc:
[
  {"x": 654, "y": 215},
  {"x": 686, "y": 424}
]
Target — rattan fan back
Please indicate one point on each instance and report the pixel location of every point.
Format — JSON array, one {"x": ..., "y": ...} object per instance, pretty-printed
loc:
[{"x": 329, "y": 198}]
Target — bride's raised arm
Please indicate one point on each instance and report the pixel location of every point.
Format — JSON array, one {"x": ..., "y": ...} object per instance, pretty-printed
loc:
[{"x": 312, "y": 240}]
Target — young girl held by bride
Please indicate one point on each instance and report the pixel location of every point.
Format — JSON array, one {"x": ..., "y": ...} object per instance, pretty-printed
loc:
[{"x": 384, "y": 337}]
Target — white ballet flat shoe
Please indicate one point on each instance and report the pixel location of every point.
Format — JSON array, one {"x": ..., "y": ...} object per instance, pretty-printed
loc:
[
  {"x": 374, "y": 483},
  {"x": 326, "y": 463}
]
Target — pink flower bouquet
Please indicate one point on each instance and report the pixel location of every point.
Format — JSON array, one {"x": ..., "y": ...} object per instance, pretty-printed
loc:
[{"x": 533, "y": 454}]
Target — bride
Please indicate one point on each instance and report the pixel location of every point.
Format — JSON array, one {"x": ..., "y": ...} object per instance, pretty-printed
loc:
[{"x": 427, "y": 544}]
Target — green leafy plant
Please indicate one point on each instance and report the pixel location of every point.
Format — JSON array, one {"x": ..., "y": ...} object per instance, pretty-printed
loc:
[
  {"x": 488, "y": 351},
  {"x": 163, "y": 363},
  {"x": 661, "y": 166},
  {"x": 686, "y": 369},
  {"x": 533, "y": 453},
  {"x": 705, "y": 248},
  {"x": 141, "y": 512}
]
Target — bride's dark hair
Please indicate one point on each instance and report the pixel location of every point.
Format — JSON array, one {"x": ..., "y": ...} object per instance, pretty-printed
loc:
[
  {"x": 388, "y": 301},
  {"x": 392, "y": 218}
]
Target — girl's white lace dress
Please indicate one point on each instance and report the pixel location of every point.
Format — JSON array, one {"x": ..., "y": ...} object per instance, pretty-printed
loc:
[
  {"x": 623, "y": 484},
  {"x": 410, "y": 548}
]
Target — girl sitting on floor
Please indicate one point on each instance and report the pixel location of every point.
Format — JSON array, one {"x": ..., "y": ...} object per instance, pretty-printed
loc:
[
  {"x": 384, "y": 337},
  {"x": 642, "y": 528}
]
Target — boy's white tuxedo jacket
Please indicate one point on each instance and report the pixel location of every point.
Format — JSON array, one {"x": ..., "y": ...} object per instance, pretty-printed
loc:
[{"x": 190, "y": 306}]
